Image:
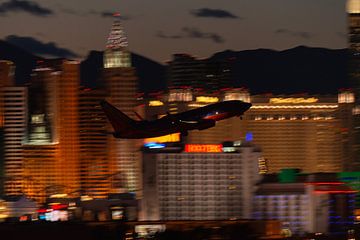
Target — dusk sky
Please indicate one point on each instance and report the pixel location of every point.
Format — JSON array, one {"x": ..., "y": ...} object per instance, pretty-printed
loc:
[{"x": 158, "y": 28}]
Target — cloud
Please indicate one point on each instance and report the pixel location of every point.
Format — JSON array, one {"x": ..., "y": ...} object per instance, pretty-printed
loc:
[
  {"x": 304, "y": 35},
  {"x": 25, "y": 6},
  {"x": 40, "y": 48},
  {"x": 108, "y": 14},
  {"x": 71, "y": 11},
  {"x": 187, "y": 32},
  {"x": 212, "y": 13},
  {"x": 160, "y": 34}
]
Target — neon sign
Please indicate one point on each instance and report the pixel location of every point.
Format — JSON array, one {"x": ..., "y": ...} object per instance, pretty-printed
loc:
[{"x": 200, "y": 148}]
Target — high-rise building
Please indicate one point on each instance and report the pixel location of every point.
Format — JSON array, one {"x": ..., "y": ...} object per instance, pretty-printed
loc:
[
  {"x": 50, "y": 147},
  {"x": 121, "y": 86},
  {"x": 205, "y": 182},
  {"x": 15, "y": 126},
  {"x": 203, "y": 75},
  {"x": 67, "y": 124},
  {"x": 185, "y": 71},
  {"x": 7, "y": 70},
  {"x": 95, "y": 176},
  {"x": 39, "y": 145},
  {"x": 353, "y": 11}
]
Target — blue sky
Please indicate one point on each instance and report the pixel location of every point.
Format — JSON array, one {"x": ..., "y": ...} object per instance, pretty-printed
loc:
[{"x": 158, "y": 28}]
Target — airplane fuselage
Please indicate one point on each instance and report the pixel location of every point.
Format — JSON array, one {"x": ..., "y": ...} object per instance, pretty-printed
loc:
[{"x": 199, "y": 118}]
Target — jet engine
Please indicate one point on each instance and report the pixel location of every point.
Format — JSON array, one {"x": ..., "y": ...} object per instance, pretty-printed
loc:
[{"x": 205, "y": 124}]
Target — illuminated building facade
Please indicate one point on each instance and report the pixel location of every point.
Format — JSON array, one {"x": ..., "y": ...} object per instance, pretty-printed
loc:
[
  {"x": 121, "y": 86},
  {"x": 40, "y": 176},
  {"x": 305, "y": 203},
  {"x": 94, "y": 170},
  {"x": 7, "y": 70},
  {"x": 67, "y": 126},
  {"x": 353, "y": 13},
  {"x": 201, "y": 183},
  {"x": 51, "y": 146},
  {"x": 39, "y": 146},
  {"x": 312, "y": 133},
  {"x": 15, "y": 126},
  {"x": 116, "y": 54}
]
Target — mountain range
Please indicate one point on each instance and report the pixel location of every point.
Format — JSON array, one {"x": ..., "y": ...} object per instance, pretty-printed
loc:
[{"x": 297, "y": 70}]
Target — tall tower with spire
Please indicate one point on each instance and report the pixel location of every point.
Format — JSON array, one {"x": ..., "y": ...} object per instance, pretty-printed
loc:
[
  {"x": 121, "y": 86},
  {"x": 116, "y": 54}
]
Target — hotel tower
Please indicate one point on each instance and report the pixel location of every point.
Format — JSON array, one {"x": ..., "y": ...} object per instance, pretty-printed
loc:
[{"x": 121, "y": 85}]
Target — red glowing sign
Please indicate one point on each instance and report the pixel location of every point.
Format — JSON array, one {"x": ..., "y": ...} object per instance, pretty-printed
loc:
[{"x": 208, "y": 148}]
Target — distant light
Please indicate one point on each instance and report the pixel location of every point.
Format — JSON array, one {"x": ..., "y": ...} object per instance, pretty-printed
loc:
[
  {"x": 155, "y": 103},
  {"x": 249, "y": 136},
  {"x": 153, "y": 145},
  {"x": 229, "y": 149},
  {"x": 85, "y": 198},
  {"x": 59, "y": 195},
  {"x": 346, "y": 97},
  {"x": 237, "y": 143}
]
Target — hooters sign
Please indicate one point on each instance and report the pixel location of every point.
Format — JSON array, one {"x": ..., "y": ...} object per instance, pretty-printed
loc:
[{"x": 207, "y": 148}]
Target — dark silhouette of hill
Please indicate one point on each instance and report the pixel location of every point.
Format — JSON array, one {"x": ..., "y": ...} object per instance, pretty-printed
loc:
[{"x": 297, "y": 70}]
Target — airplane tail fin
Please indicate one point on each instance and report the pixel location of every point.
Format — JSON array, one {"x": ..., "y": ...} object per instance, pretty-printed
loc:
[{"x": 119, "y": 120}]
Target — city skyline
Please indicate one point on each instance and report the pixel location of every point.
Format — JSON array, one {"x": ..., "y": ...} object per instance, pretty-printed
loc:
[{"x": 200, "y": 28}]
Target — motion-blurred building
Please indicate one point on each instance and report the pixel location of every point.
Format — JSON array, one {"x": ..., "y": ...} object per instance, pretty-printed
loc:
[{"x": 203, "y": 182}]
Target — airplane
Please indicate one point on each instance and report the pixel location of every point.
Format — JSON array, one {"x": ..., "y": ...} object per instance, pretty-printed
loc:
[{"x": 199, "y": 118}]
